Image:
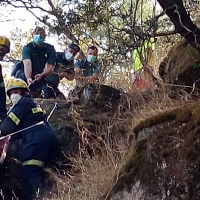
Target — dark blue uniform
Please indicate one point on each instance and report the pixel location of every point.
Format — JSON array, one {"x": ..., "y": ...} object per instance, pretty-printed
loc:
[
  {"x": 63, "y": 64},
  {"x": 40, "y": 143},
  {"x": 2, "y": 97}
]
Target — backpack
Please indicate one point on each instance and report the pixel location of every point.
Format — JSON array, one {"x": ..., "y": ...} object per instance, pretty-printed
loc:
[{"x": 18, "y": 67}]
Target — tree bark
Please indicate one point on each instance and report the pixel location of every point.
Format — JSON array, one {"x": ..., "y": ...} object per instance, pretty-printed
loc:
[{"x": 181, "y": 20}]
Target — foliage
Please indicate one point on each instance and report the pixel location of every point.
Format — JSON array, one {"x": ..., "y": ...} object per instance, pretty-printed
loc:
[
  {"x": 21, "y": 38},
  {"x": 107, "y": 24},
  {"x": 115, "y": 27}
]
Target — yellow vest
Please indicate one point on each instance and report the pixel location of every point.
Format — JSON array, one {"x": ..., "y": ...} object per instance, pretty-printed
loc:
[{"x": 139, "y": 54}]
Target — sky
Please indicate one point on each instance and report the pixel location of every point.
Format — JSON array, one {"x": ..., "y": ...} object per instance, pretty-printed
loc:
[
  {"x": 22, "y": 19},
  {"x": 25, "y": 21}
]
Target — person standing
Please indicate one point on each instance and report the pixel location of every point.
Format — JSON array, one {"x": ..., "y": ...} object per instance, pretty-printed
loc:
[
  {"x": 39, "y": 60},
  {"x": 143, "y": 58}
]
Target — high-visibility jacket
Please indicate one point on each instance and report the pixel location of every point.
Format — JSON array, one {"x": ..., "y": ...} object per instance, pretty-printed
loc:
[
  {"x": 139, "y": 54},
  {"x": 24, "y": 114}
]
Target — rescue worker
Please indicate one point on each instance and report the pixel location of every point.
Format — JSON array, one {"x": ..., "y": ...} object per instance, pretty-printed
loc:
[
  {"x": 64, "y": 67},
  {"x": 39, "y": 60},
  {"x": 86, "y": 70},
  {"x": 4, "y": 49},
  {"x": 40, "y": 142}
]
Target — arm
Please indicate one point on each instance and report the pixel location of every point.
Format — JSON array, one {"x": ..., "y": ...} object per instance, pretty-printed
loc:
[
  {"x": 48, "y": 70},
  {"x": 77, "y": 68},
  {"x": 78, "y": 71},
  {"x": 14, "y": 117},
  {"x": 26, "y": 57},
  {"x": 7, "y": 126},
  {"x": 89, "y": 79},
  {"x": 27, "y": 68},
  {"x": 50, "y": 65}
]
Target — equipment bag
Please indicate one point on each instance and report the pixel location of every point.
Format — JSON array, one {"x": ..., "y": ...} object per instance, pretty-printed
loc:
[{"x": 18, "y": 67}]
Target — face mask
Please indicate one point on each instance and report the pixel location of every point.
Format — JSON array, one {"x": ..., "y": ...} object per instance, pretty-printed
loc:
[
  {"x": 69, "y": 56},
  {"x": 91, "y": 58},
  {"x": 15, "y": 98},
  {"x": 37, "y": 39}
]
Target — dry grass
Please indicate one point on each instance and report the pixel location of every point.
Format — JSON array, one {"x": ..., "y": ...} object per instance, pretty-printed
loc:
[{"x": 91, "y": 176}]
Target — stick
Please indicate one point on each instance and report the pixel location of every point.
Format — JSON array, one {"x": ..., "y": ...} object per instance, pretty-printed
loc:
[{"x": 50, "y": 114}]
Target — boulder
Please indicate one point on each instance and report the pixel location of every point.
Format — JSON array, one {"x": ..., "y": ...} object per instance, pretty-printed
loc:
[
  {"x": 181, "y": 67},
  {"x": 163, "y": 161},
  {"x": 69, "y": 121},
  {"x": 99, "y": 95}
]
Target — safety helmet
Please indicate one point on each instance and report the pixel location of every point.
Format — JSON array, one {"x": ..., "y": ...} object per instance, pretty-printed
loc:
[
  {"x": 15, "y": 83},
  {"x": 4, "y": 45}
]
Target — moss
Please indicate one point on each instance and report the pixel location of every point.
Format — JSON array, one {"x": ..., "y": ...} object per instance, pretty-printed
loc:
[
  {"x": 180, "y": 114},
  {"x": 128, "y": 169},
  {"x": 176, "y": 140},
  {"x": 157, "y": 119}
]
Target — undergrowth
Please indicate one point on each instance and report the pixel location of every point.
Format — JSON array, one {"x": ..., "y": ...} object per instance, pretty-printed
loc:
[{"x": 91, "y": 175}]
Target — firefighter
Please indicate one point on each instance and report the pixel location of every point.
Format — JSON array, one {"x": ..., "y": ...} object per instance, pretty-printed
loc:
[
  {"x": 4, "y": 49},
  {"x": 40, "y": 143}
]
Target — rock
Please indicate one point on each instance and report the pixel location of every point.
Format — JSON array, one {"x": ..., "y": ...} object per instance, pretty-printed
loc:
[
  {"x": 68, "y": 120},
  {"x": 163, "y": 161},
  {"x": 99, "y": 95},
  {"x": 181, "y": 67}
]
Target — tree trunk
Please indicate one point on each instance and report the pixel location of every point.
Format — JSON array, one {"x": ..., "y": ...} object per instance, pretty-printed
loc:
[{"x": 180, "y": 18}]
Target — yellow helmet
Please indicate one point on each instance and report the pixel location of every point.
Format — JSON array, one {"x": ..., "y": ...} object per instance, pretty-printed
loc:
[
  {"x": 4, "y": 45},
  {"x": 16, "y": 83}
]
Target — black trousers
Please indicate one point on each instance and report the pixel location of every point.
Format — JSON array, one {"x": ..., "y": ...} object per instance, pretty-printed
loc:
[{"x": 48, "y": 92}]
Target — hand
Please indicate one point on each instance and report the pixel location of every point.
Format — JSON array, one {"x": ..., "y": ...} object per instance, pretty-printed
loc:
[
  {"x": 38, "y": 77},
  {"x": 30, "y": 81}
]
